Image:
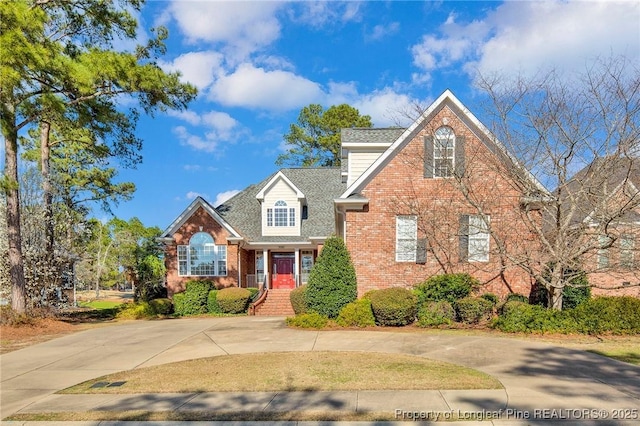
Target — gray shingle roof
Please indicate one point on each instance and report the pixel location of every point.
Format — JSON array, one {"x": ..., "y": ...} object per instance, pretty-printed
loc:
[
  {"x": 371, "y": 135},
  {"x": 320, "y": 187}
]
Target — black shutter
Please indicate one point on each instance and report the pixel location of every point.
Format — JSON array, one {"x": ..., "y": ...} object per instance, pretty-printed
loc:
[
  {"x": 428, "y": 157},
  {"x": 463, "y": 251},
  {"x": 421, "y": 251},
  {"x": 459, "y": 156}
]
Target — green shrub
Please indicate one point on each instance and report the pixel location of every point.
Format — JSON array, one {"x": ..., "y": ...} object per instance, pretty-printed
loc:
[
  {"x": 394, "y": 306},
  {"x": 178, "y": 304},
  {"x": 491, "y": 298},
  {"x": 517, "y": 297},
  {"x": 520, "y": 317},
  {"x": 161, "y": 306},
  {"x": 433, "y": 314},
  {"x": 617, "y": 315},
  {"x": 574, "y": 293},
  {"x": 357, "y": 314},
  {"x": 212, "y": 303},
  {"x": 473, "y": 310},
  {"x": 332, "y": 281},
  {"x": 194, "y": 301},
  {"x": 449, "y": 287},
  {"x": 233, "y": 300},
  {"x": 254, "y": 294},
  {"x": 297, "y": 298},
  {"x": 139, "y": 310},
  {"x": 308, "y": 320}
]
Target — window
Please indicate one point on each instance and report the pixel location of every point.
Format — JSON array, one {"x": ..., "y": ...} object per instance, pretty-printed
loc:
[
  {"x": 474, "y": 238},
  {"x": 202, "y": 257},
  {"x": 259, "y": 267},
  {"x": 306, "y": 258},
  {"x": 444, "y": 152},
  {"x": 604, "y": 242},
  {"x": 627, "y": 244},
  {"x": 281, "y": 215},
  {"x": 406, "y": 238}
]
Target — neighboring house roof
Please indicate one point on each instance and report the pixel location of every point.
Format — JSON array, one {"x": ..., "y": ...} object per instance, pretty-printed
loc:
[
  {"x": 319, "y": 186},
  {"x": 590, "y": 190},
  {"x": 368, "y": 135},
  {"x": 186, "y": 214},
  {"x": 446, "y": 99}
]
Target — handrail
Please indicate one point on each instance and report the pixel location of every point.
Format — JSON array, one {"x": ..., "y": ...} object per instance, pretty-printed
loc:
[{"x": 260, "y": 301}]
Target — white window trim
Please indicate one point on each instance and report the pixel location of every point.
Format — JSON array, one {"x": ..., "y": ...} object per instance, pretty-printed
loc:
[
  {"x": 627, "y": 247},
  {"x": 281, "y": 210},
  {"x": 436, "y": 142},
  {"x": 219, "y": 253},
  {"x": 406, "y": 238},
  {"x": 479, "y": 236}
]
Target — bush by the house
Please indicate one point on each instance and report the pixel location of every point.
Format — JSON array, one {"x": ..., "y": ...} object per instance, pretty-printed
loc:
[
  {"x": 194, "y": 301},
  {"x": 233, "y": 300},
  {"x": 491, "y": 298},
  {"x": 473, "y": 310},
  {"x": 394, "y": 306},
  {"x": 308, "y": 320},
  {"x": 161, "y": 306},
  {"x": 433, "y": 314},
  {"x": 254, "y": 294},
  {"x": 133, "y": 311},
  {"x": 520, "y": 317},
  {"x": 332, "y": 281},
  {"x": 574, "y": 293},
  {"x": 357, "y": 314},
  {"x": 449, "y": 287},
  {"x": 617, "y": 315},
  {"x": 212, "y": 303},
  {"x": 297, "y": 298},
  {"x": 516, "y": 297}
]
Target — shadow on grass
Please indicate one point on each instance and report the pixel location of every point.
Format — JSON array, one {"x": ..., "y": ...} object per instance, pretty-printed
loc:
[
  {"x": 89, "y": 315},
  {"x": 630, "y": 357}
]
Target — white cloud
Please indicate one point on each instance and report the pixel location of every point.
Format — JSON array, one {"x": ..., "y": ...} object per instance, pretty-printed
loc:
[
  {"x": 321, "y": 13},
  {"x": 219, "y": 127},
  {"x": 194, "y": 141},
  {"x": 386, "y": 107},
  {"x": 198, "y": 68},
  {"x": 252, "y": 87},
  {"x": 193, "y": 195},
  {"x": 527, "y": 37},
  {"x": 381, "y": 31},
  {"x": 192, "y": 167},
  {"x": 242, "y": 26},
  {"x": 189, "y": 116},
  {"x": 221, "y": 197}
]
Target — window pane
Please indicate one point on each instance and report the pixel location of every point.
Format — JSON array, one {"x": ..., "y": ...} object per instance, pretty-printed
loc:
[
  {"x": 406, "y": 238},
  {"x": 182, "y": 260},
  {"x": 269, "y": 217},
  {"x": 443, "y": 152},
  {"x": 627, "y": 244},
  {"x": 292, "y": 217},
  {"x": 280, "y": 216},
  {"x": 478, "y": 238}
]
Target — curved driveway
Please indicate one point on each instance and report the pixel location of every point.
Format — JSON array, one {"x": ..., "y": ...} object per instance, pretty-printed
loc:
[{"x": 536, "y": 376}]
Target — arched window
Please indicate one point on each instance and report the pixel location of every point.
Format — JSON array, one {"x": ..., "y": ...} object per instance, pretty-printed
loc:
[
  {"x": 444, "y": 152},
  {"x": 202, "y": 257},
  {"x": 281, "y": 215}
]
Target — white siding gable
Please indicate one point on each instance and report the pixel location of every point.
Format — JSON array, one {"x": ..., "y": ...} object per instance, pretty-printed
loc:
[
  {"x": 279, "y": 190},
  {"x": 360, "y": 160}
]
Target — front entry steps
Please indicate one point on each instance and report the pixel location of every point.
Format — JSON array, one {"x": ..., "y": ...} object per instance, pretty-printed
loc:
[{"x": 277, "y": 303}]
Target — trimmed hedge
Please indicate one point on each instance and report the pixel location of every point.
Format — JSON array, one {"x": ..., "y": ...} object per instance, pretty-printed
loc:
[
  {"x": 449, "y": 287},
  {"x": 394, "y": 306},
  {"x": 298, "y": 302},
  {"x": 617, "y": 315},
  {"x": 161, "y": 306},
  {"x": 433, "y": 314},
  {"x": 194, "y": 299},
  {"x": 308, "y": 320},
  {"x": 233, "y": 300},
  {"x": 357, "y": 314},
  {"x": 212, "y": 303},
  {"x": 520, "y": 317},
  {"x": 473, "y": 310},
  {"x": 332, "y": 281}
]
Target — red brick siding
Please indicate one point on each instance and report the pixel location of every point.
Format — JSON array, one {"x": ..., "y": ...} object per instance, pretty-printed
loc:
[
  {"x": 400, "y": 188},
  {"x": 200, "y": 218}
]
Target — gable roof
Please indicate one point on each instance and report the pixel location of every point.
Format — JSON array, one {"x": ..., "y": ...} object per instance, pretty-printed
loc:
[
  {"x": 319, "y": 185},
  {"x": 590, "y": 189},
  {"x": 446, "y": 99},
  {"x": 369, "y": 135},
  {"x": 273, "y": 180},
  {"x": 190, "y": 210}
]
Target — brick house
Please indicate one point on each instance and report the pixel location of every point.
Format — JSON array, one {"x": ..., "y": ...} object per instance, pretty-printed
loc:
[{"x": 436, "y": 197}]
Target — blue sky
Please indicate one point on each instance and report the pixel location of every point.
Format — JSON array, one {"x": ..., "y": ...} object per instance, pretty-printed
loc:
[{"x": 256, "y": 64}]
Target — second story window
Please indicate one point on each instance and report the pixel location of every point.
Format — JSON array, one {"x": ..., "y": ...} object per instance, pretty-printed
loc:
[
  {"x": 281, "y": 215},
  {"x": 444, "y": 152}
]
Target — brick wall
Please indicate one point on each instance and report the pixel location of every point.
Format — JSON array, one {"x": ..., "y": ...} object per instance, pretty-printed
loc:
[
  {"x": 199, "y": 221},
  {"x": 401, "y": 189}
]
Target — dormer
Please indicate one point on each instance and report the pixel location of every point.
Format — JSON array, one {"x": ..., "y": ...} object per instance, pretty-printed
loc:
[
  {"x": 361, "y": 147},
  {"x": 281, "y": 207}
]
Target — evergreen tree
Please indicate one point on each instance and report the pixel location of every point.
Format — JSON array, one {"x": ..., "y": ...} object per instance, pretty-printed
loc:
[{"x": 332, "y": 282}]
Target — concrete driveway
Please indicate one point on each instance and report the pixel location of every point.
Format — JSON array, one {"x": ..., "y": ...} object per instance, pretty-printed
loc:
[{"x": 540, "y": 380}]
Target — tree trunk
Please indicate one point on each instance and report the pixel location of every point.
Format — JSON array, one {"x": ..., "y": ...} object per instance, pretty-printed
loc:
[
  {"x": 555, "y": 298},
  {"x": 16, "y": 262},
  {"x": 47, "y": 188}
]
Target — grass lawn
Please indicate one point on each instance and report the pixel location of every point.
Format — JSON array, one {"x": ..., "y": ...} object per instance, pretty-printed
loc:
[
  {"x": 294, "y": 371},
  {"x": 99, "y": 304}
]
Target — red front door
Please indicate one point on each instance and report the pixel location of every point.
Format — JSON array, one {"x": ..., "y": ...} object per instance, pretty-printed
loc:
[{"x": 283, "y": 275}]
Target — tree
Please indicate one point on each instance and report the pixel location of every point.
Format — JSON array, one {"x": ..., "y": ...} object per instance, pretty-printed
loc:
[
  {"x": 332, "y": 281},
  {"x": 315, "y": 139},
  {"x": 58, "y": 65},
  {"x": 579, "y": 134}
]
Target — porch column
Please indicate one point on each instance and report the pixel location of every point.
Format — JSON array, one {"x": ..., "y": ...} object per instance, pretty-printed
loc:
[
  {"x": 267, "y": 271},
  {"x": 296, "y": 266}
]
